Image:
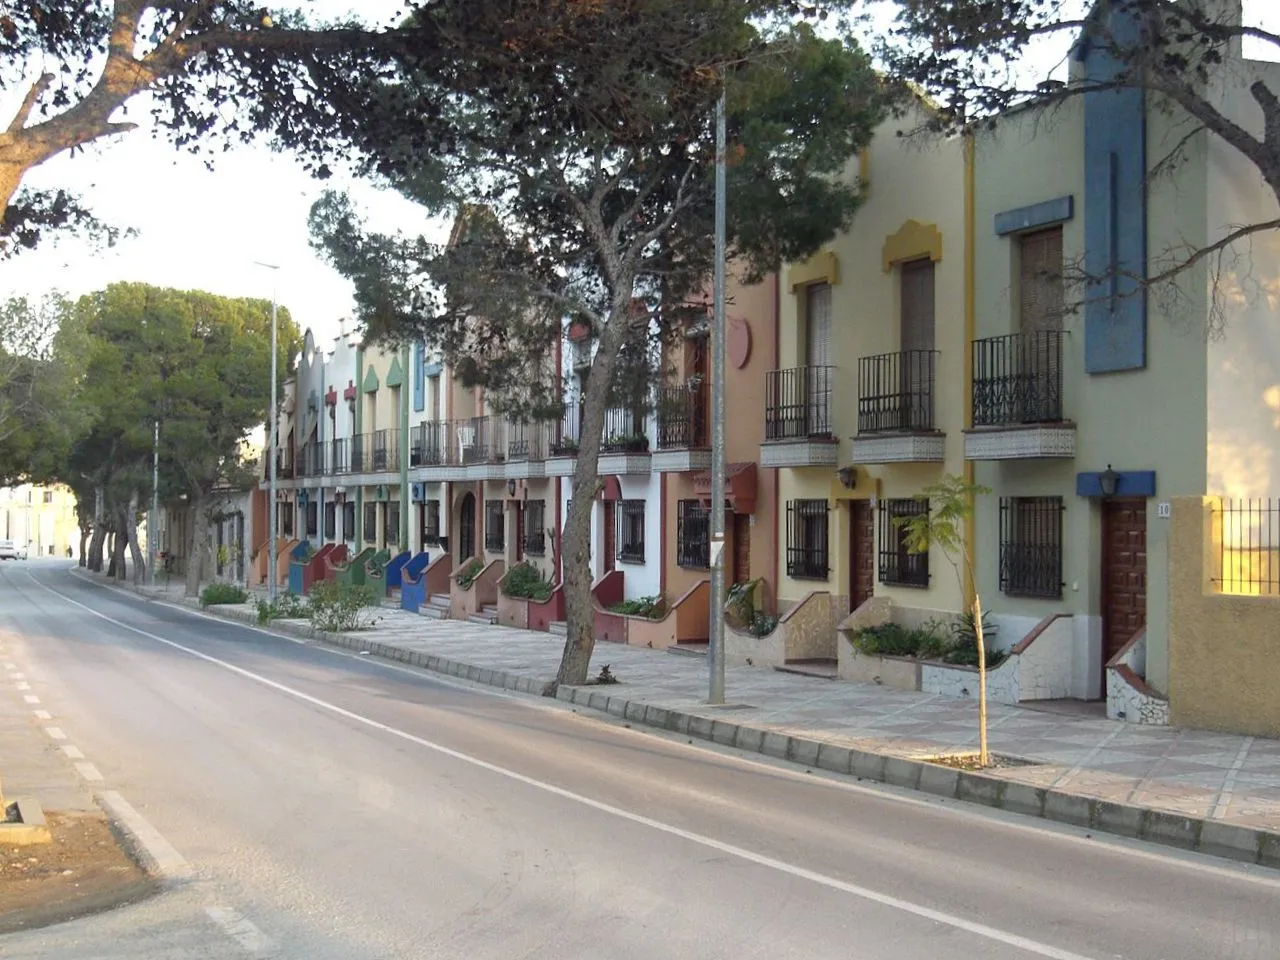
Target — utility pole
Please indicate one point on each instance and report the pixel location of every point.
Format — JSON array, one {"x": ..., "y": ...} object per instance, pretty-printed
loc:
[
  {"x": 153, "y": 529},
  {"x": 715, "y": 653},
  {"x": 273, "y": 547}
]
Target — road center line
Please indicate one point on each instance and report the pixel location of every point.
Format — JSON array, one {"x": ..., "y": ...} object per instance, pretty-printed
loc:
[
  {"x": 780, "y": 866},
  {"x": 42, "y": 714},
  {"x": 31, "y": 698},
  {"x": 242, "y": 930},
  {"x": 75, "y": 753},
  {"x": 55, "y": 732},
  {"x": 89, "y": 771}
]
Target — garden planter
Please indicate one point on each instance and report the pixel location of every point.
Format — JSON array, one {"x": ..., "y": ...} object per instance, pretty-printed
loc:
[
  {"x": 896, "y": 673},
  {"x": 513, "y": 611}
]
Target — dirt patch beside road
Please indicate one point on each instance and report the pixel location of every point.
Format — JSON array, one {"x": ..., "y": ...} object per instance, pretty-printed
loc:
[{"x": 83, "y": 870}]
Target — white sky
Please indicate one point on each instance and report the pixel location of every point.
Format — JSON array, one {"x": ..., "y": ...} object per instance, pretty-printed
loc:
[{"x": 204, "y": 230}]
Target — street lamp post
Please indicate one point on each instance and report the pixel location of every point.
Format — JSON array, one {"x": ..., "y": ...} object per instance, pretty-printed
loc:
[
  {"x": 152, "y": 524},
  {"x": 715, "y": 651},
  {"x": 272, "y": 546}
]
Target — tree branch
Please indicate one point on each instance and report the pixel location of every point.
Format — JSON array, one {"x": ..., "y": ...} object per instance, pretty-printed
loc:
[{"x": 29, "y": 101}]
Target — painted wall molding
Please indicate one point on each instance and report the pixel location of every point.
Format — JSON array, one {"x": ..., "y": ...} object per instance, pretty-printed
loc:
[{"x": 913, "y": 241}]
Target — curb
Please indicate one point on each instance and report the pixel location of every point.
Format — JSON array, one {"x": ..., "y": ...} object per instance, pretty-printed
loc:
[
  {"x": 30, "y": 828},
  {"x": 1197, "y": 834}
]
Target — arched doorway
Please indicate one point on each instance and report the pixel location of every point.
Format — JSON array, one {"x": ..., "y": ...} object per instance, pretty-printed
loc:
[{"x": 467, "y": 528}]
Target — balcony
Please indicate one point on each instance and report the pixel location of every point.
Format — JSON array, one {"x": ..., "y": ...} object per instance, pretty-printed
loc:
[
  {"x": 376, "y": 453},
  {"x": 624, "y": 443},
  {"x": 1017, "y": 399},
  {"x": 435, "y": 450},
  {"x": 340, "y": 457},
  {"x": 683, "y": 441},
  {"x": 485, "y": 455},
  {"x": 311, "y": 461},
  {"x": 527, "y": 450},
  {"x": 565, "y": 437},
  {"x": 896, "y": 409},
  {"x": 797, "y": 418}
]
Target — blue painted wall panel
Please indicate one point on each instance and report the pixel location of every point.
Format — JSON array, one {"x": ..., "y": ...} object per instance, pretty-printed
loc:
[
  {"x": 1115, "y": 210},
  {"x": 1131, "y": 483},
  {"x": 419, "y": 379}
]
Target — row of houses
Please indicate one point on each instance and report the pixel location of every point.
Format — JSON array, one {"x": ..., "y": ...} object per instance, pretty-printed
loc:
[{"x": 1126, "y": 435}]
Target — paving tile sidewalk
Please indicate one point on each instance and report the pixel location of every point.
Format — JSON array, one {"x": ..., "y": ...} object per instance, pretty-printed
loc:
[{"x": 1188, "y": 773}]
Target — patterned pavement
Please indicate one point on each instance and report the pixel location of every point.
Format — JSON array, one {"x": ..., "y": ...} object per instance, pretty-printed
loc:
[{"x": 1191, "y": 772}]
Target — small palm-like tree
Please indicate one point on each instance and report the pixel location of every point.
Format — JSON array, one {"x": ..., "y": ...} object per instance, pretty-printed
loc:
[{"x": 950, "y": 504}]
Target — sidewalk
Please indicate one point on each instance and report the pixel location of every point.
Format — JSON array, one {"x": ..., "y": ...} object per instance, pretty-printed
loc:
[{"x": 1188, "y": 788}]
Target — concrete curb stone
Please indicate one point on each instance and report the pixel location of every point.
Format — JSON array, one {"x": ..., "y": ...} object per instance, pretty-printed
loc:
[{"x": 1232, "y": 841}]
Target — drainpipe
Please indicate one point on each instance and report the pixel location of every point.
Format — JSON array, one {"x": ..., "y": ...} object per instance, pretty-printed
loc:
[
  {"x": 404, "y": 447},
  {"x": 357, "y": 436},
  {"x": 777, "y": 504},
  {"x": 321, "y": 414}
]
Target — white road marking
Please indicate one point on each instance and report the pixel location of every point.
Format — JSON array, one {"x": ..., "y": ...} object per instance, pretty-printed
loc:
[
  {"x": 89, "y": 771},
  {"x": 155, "y": 848},
  {"x": 242, "y": 930},
  {"x": 31, "y": 698},
  {"x": 55, "y": 732},
  {"x": 72, "y": 751},
  {"x": 42, "y": 714},
  {"x": 17, "y": 676},
  {"x": 863, "y": 893},
  {"x": 23, "y": 685},
  {"x": 11, "y": 666}
]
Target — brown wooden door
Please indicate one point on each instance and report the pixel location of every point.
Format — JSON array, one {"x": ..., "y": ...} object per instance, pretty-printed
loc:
[
  {"x": 741, "y": 548},
  {"x": 862, "y": 553},
  {"x": 610, "y": 535},
  {"x": 1124, "y": 572}
]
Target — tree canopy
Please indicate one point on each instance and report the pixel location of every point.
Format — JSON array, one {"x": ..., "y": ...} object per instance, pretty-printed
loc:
[{"x": 582, "y": 187}]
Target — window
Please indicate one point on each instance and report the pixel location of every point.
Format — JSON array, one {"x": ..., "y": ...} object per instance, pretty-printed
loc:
[
  {"x": 494, "y": 534},
  {"x": 286, "y": 519},
  {"x": 393, "y": 524},
  {"x": 1031, "y": 546},
  {"x": 348, "y": 521},
  {"x": 535, "y": 528},
  {"x": 693, "y": 535},
  {"x": 312, "y": 513},
  {"x": 1040, "y": 284},
  {"x": 431, "y": 521},
  {"x": 807, "y": 539},
  {"x": 370, "y": 523},
  {"x": 631, "y": 531},
  {"x": 48, "y": 496},
  {"x": 898, "y": 565},
  {"x": 330, "y": 521}
]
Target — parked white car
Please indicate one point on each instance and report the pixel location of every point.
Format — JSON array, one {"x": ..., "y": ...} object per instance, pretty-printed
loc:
[{"x": 9, "y": 551}]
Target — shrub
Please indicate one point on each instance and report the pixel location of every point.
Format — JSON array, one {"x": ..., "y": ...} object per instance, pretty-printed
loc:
[
  {"x": 342, "y": 607},
  {"x": 963, "y": 650},
  {"x": 524, "y": 581},
  {"x": 470, "y": 570},
  {"x": 762, "y": 624},
  {"x": 654, "y": 608},
  {"x": 895, "y": 640},
  {"x": 290, "y": 606},
  {"x": 222, "y": 593}
]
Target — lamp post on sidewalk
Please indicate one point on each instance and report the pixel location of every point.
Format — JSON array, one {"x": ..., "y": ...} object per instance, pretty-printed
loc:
[
  {"x": 154, "y": 519},
  {"x": 272, "y": 546},
  {"x": 715, "y": 651}
]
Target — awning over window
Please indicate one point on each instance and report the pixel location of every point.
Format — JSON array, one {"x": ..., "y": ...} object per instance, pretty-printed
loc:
[{"x": 739, "y": 486}]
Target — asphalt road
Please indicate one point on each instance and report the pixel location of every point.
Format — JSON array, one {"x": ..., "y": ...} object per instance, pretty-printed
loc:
[{"x": 330, "y": 806}]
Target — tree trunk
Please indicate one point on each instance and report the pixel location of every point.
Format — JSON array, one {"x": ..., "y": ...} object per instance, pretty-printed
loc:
[
  {"x": 580, "y": 637},
  {"x": 131, "y": 531},
  {"x": 99, "y": 528},
  {"x": 119, "y": 546},
  {"x": 84, "y": 546},
  {"x": 197, "y": 543},
  {"x": 984, "y": 757}
]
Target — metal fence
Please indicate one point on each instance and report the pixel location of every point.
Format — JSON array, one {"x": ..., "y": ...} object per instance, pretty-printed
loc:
[
  {"x": 797, "y": 403},
  {"x": 1017, "y": 379},
  {"x": 1247, "y": 541}
]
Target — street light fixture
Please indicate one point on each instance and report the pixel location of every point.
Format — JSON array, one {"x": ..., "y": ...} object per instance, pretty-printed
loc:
[{"x": 273, "y": 546}]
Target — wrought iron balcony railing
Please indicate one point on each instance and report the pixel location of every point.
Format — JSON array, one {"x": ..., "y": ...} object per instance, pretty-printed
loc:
[
  {"x": 1017, "y": 379},
  {"x": 797, "y": 404},
  {"x": 895, "y": 392}
]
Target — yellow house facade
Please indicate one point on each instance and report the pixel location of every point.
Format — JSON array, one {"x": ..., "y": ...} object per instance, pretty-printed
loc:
[{"x": 43, "y": 519}]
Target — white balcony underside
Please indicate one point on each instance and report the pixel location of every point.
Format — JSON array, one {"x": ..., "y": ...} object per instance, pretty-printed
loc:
[
  {"x": 525, "y": 469},
  {"x": 625, "y": 464},
  {"x": 899, "y": 448},
  {"x": 799, "y": 453},
  {"x": 562, "y": 466},
  {"x": 1055, "y": 441},
  {"x": 681, "y": 461}
]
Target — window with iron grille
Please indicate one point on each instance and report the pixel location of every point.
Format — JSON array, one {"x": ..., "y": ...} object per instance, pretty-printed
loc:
[
  {"x": 631, "y": 531},
  {"x": 313, "y": 519},
  {"x": 431, "y": 522},
  {"x": 494, "y": 534},
  {"x": 393, "y": 525},
  {"x": 898, "y": 565},
  {"x": 348, "y": 521},
  {"x": 807, "y": 539},
  {"x": 693, "y": 535},
  {"x": 330, "y": 521},
  {"x": 1031, "y": 546},
  {"x": 370, "y": 523},
  {"x": 535, "y": 528}
]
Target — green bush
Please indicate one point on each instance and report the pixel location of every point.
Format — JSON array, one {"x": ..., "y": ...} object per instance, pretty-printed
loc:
[
  {"x": 222, "y": 593},
  {"x": 895, "y": 640},
  {"x": 654, "y": 608},
  {"x": 524, "y": 581},
  {"x": 470, "y": 570},
  {"x": 290, "y": 606},
  {"x": 342, "y": 607},
  {"x": 963, "y": 650},
  {"x": 762, "y": 624}
]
